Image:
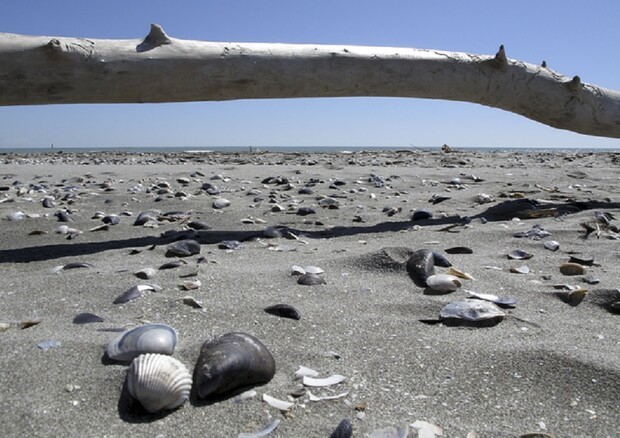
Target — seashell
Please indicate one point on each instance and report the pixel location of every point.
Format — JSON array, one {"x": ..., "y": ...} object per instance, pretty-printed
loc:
[
  {"x": 229, "y": 244},
  {"x": 284, "y": 311},
  {"x": 220, "y": 203},
  {"x": 192, "y": 302},
  {"x": 111, "y": 219},
  {"x": 460, "y": 274},
  {"x": 572, "y": 269},
  {"x": 72, "y": 265},
  {"x": 582, "y": 260},
  {"x": 311, "y": 280},
  {"x": 315, "y": 398},
  {"x": 426, "y": 429},
  {"x": 328, "y": 381},
  {"x": 272, "y": 232},
  {"x": 191, "y": 284},
  {"x": 313, "y": 270},
  {"x": 591, "y": 279},
  {"x": 86, "y": 318},
  {"x": 500, "y": 301},
  {"x": 519, "y": 254},
  {"x": 49, "y": 344},
  {"x": 443, "y": 282},
  {"x": 576, "y": 296},
  {"x": 48, "y": 202},
  {"x": 420, "y": 266},
  {"x": 305, "y": 372},
  {"x": 520, "y": 270},
  {"x": 277, "y": 403},
  {"x": 297, "y": 270},
  {"x": 471, "y": 312},
  {"x": 16, "y": 216},
  {"x": 344, "y": 430},
  {"x": 230, "y": 362},
  {"x": 63, "y": 216},
  {"x": 173, "y": 265},
  {"x": 305, "y": 211},
  {"x": 440, "y": 260},
  {"x": 198, "y": 225},
  {"x": 132, "y": 293},
  {"x": 266, "y": 430},
  {"x": 183, "y": 248},
  {"x": 551, "y": 245},
  {"x": 148, "y": 338},
  {"x": 145, "y": 274},
  {"x": 421, "y": 214},
  {"x": 459, "y": 250},
  {"x": 394, "y": 432},
  {"x": 144, "y": 217},
  {"x": 158, "y": 382}
]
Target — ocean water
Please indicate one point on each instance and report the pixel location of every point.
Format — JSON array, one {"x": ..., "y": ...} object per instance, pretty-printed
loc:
[{"x": 285, "y": 149}]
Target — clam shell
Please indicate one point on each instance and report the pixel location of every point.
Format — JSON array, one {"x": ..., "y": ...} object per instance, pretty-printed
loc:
[
  {"x": 148, "y": 338},
  {"x": 158, "y": 382},
  {"x": 471, "y": 312},
  {"x": 311, "y": 280},
  {"x": 230, "y": 362},
  {"x": 183, "y": 248},
  {"x": 519, "y": 254},
  {"x": 572, "y": 269},
  {"x": 420, "y": 266},
  {"x": 283, "y": 311},
  {"x": 552, "y": 245},
  {"x": 443, "y": 282}
]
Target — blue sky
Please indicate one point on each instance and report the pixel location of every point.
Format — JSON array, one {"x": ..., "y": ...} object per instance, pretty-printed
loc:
[{"x": 574, "y": 37}]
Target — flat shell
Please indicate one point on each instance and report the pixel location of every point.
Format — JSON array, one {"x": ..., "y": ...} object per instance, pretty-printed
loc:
[
  {"x": 519, "y": 254},
  {"x": 471, "y": 312},
  {"x": 148, "y": 338},
  {"x": 283, "y": 311}
]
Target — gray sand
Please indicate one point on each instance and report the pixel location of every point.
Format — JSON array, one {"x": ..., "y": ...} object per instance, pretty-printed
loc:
[{"x": 548, "y": 367}]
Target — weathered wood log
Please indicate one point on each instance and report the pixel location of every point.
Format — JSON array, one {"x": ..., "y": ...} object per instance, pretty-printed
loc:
[{"x": 53, "y": 70}]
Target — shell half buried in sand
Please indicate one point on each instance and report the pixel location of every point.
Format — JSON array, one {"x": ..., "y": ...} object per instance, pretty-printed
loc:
[{"x": 158, "y": 382}]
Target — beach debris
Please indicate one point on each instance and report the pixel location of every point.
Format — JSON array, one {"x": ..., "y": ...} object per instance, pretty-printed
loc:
[
  {"x": 63, "y": 216},
  {"x": 305, "y": 211},
  {"x": 343, "y": 430},
  {"x": 305, "y": 372},
  {"x": 327, "y": 381},
  {"x": 572, "y": 269},
  {"x": 198, "y": 225},
  {"x": 472, "y": 312},
  {"x": 148, "y": 338},
  {"x": 316, "y": 398},
  {"x": 191, "y": 284},
  {"x": 535, "y": 233},
  {"x": 520, "y": 269},
  {"x": 443, "y": 283},
  {"x": 440, "y": 260},
  {"x": 133, "y": 293},
  {"x": 15, "y": 216},
  {"x": 230, "y": 244},
  {"x": 72, "y": 265},
  {"x": 183, "y": 248},
  {"x": 297, "y": 270},
  {"x": 192, "y": 302},
  {"x": 519, "y": 254},
  {"x": 311, "y": 280},
  {"x": 436, "y": 198},
  {"x": 158, "y": 382},
  {"x": 552, "y": 245},
  {"x": 49, "y": 344},
  {"x": 483, "y": 198},
  {"x": 221, "y": 203},
  {"x": 420, "y": 266},
  {"x": 283, "y": 311},
  {"x": 172, "y": 265},
  {"x": 500, "y": 301},
  {"x": 421, "y": 214},
  {"x": 460, "y": 274},
  {"x": 459, "y": 250},
  {"x": 313, "y": 270},
  {"x": 145, "y": 217},
  {"x": 86, "y": 318},
  {"x": 277, "y": 403},
  {"x": 581, "y": 260},
  {"x": 391, "y": 432},
  {"x": 245, "y": 395},
  {"x": 264, "y": 431},
  {"x": 232, "y": 361},
  {"x": 591, "y": 279},
  {"x": 601, "y": 222},
  {"x": 4, "y": 326},
  {"x": 426, "y": 429},
  {"x": 145, "y": 273}
]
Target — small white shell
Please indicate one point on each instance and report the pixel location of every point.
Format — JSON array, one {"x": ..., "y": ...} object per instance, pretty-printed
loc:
[
  {"x": 443, "y": 282},
  {"x": 328, "y": 381},
  {"x": 158, "y": 382},
  {"x": 277, "y": 403}
]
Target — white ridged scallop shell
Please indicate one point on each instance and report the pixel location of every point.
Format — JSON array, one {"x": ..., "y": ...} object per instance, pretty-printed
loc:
[
  {"x": 148, "y": 338},
  {"x": 158, "y": 382},
  {"x": 443, "y": 282}
]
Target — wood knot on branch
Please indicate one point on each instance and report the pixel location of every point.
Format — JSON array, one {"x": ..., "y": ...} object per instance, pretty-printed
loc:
[
  {"x": 156, "y": 37},
  {"x": 574, "y": 85}
]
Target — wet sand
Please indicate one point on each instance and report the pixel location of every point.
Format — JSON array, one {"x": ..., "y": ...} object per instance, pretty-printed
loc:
[{"x": 550, "y": 366}]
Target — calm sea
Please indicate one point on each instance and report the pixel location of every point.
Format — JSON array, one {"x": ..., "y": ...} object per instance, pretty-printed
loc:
[{"x": 285, "y": 149}]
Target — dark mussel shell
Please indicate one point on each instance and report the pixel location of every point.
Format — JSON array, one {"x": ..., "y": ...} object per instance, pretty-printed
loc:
[
  {"x": 344, "y": 430},
  {"x": 420, "y": 266},
  {"x": 283, "y": 311},
  {"x": 231, "y": 362},
  {"x": 311, "y": 280}
]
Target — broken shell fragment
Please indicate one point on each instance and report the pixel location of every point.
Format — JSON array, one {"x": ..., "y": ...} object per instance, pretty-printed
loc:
[
  {"x": 520, "y": 270},
  {"x": 477, "y": 313},
  {"x": 148, "y": 338},
  {"x": 132, "y": 293},
  {"x": 158, "y": 382},
  {"x": 443, "y": 282},
  {"x": 500, "y": 301},
  {"x": 305, "y": 372},
  {"x": 277, "y": 403},
  {"x": 230, "y": 362},
  {"x": 551, "y": 245},
  {"x": 460, "y": 274},
  {"x": 328, "y": 381}
]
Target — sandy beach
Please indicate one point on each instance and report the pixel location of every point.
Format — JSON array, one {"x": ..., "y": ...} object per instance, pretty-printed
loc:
[{"x": 551, "y": 366}]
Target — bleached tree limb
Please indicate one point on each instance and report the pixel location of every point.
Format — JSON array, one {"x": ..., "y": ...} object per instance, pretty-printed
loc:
[{"x": 53, "y": 70}]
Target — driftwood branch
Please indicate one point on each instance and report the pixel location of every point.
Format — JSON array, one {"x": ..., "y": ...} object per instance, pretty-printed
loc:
[{"x": 53, "y": 70}]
